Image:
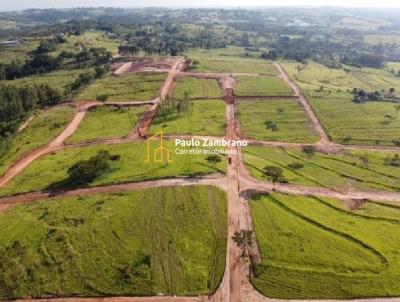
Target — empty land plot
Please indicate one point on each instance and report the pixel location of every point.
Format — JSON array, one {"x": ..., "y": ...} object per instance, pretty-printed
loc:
[
  {"x": 108, "y": 122},
  {"x": 347, "y": 122},
  {"x": 197, "y": 88},
  {"x": 381, "y": 39},
  {"x": 233, "y": 66},
  {"x": 260, "y": 86},
  {"x": 278, "y": 120},
  {"x": 58, "y": 79},
  {"x": 131, "y": 167},
  {"x": 18, "y": 52},
  {"x": 137, "y": 87},
  {"x": 312, "y": 248},
  {"x": 168, "y": 240},
  {"x": 202, "y": 117},
  {"x": 371, "y": 123},
  {"x": 45, "y": 126},
  {"x": 361, "y": 170}
]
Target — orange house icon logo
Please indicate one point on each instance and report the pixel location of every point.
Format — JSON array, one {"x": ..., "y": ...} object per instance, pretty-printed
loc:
[{"x": 158, "y": 150}]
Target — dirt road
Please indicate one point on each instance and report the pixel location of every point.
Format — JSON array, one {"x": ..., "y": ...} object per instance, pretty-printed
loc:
[{"x": 304, "y": 102}]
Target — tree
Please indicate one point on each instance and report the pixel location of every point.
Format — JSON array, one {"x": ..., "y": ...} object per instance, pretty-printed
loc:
[
  {"x": 244, "y": 240},
  {"x": 102, "y": 97},
  {"x": 273, "y": 174}
]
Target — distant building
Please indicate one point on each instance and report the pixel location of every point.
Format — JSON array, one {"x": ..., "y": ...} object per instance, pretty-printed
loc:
[{"x": 10, "y": 43}]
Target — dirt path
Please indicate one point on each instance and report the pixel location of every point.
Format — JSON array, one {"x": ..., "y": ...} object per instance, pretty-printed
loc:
[
  {"x": 123, "y": 69},
  {"x": 217, "y": 180},
  {"x": 304, "y": 102}
]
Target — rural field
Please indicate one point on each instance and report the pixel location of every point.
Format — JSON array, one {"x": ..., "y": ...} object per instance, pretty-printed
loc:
[
  {"x": 275, "y": 120},
  {"x": 199, "y": 155},
  {"x": 42, "y": 129},
  {"x": 130, "y": 167},
  {"x": 201, "y": 117},
  {"x": 314, "y": 248},
  {"x": 136, "y": 87},
  {"x": 155, "y": 241},
  {"x": 261, "y": 85},
  {"x": 350, "y": 169},
  {"x": 107, "y": 122},
  {"x": 196, "y": 88}
]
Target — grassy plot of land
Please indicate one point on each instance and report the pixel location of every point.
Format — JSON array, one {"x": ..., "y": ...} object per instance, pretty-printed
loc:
[
  {"x": 45, "y": 126},
  {"x": 202, "y": 117},
  {"x": 312, "y": 248},
  {"x": 312, "y": 76},
  {"x": 233, "y": 66},
  {"x": 131, "y": 87},
  {"x": 18, "y": 52},
  {"x": 107, "y": 122},
  {"x": 131, "y": 167},
  {"x": 365, "y": 124},
  {"x": 381, "y": 39},
  {"x": 197, "y": 88},
  {"x": 362, "y": 170},
  {"x": 261, "y": 85},
  {"x": 345, "y": 121},
  {"x": 57, "y": 79},
  {"x": 157, "y": 241},
  {"x": 278, "y": 120}
]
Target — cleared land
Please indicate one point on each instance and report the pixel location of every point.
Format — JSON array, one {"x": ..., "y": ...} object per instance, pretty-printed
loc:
[
  {"x": 233, "y": 66},
  {"x": 44, "y": 127},
  {"x": 261, "y": 85},
  {"x": 131, "y": 87},
  {"x": 278, "y": 120},
  {"x": 348, "y": 122},
  {"x": 313, "y": 248},
  {"x": 197, "y": 88},
  {"x": 131, "y": 167},
  {"x": 146, "y": 242},
  {"x": 57, "y": 79},
  {"x": 382, "y": 39},
  {"x": 107, "y": 122},
  {"x": 202, "y": 117},
  {"x": 358, "y": 169}
]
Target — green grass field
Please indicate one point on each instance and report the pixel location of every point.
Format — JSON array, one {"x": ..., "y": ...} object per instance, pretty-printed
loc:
[
  {"x": 131, "y": 167},
  {"x": 260, "y": 85},
  {"x": 312, "y": 248},
  {"x": 203, "y": 117},
  {"x": 197, "y": 88},
  {"x": 19, "y": 52},
  {"x": 57, "y": 79},
  {"x": 372, "y": 123},
  {"x": 45, "y": 126},
  {"x": 288, "y": 116},
  {"x": 355, "y": 169},
  {"x": 230, "y": 52},
  {"x": 233, "y": 66},
  {"x": 148, "y": 242},
  {"x": 125, "y": 88},
  {"x": 107, "y": 122},
  {"x": 381, "y": 39},
  {"x": 346, "y": 122}
]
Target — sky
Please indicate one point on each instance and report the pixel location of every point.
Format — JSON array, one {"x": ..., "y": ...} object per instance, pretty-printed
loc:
[{"x": 24, "y": 4}]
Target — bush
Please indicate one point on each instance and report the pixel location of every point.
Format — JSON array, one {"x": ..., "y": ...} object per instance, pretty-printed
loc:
[
  {"x": 214, "y": 158},
  {"x": 85, "y": 171},
  {"x": 296, "y": 166}
]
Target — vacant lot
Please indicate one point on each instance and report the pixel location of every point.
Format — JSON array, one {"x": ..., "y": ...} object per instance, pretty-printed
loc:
[
  {"x": 382, "y": 39},
  {"x": 107, "y": 122},
  {"x": 57, "y": 79},
  {"x": 313, "y": 248},
  {"x": 278, "y": 120},
  {"x": 233, "y": 66},
  {"x": 45, "y": 126},
  {"x": 347, "y": 122},
  {"x": 261, "y": 85},
  {"x": 131, "y": 87},
  {"x": 362, "y": 170},
  {"x": 372, "y": 123},
  {"x": 202, "y": 117},
  {"x": 130, "y": 167},
  {"x": 147, "y": 242},
  {"x": 197, "y": 88}
]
